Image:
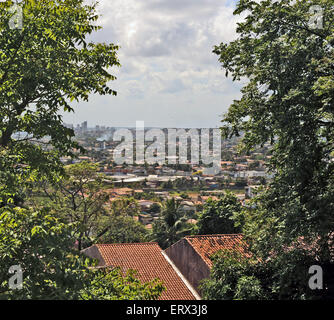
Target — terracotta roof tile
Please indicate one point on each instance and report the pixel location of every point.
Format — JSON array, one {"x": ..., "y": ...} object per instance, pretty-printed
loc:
[
  {"x": 148, "y": 260},
  {"x": 207, "y": 245}
]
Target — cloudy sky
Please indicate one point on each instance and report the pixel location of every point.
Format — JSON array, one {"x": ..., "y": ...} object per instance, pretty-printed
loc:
[{"x": 169, "y": 75}]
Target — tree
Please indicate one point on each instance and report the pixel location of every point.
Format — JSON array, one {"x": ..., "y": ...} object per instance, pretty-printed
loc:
[
  {"x": 240, "y": 182},
  {"x": 237, "y": 276},
  {"x": 110, "y": 284},
  {"x": 288, "y": 101},
  {"x": 120, "y": 229},
  {"x": 220, "y": 216},
  {"x": 44, "y": 67},
  {"x": 42, "y": 245},
  {"x": 155, "y": 208},
  {"x": 171, "y": 226},
  {"x": 254, "y": 165},
  {"x": 184, "y": 195},
  {"x": 232, "y": 278},
  {"x": 167, "y": 184},
  {"x": 124, "y": 206},
  {"x": 78, "y": 197}
]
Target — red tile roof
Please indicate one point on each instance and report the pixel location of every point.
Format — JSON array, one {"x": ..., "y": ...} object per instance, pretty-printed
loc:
[
  {"x": 148, "y": 260},
  {"x": 207, "y": 245}
]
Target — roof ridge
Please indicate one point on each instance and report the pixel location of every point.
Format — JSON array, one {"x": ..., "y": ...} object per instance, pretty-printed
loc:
[
  {"x": 215, "y": 235},
  {"x": 128, "y": 243},
  {"x": 181, "y": 276}
]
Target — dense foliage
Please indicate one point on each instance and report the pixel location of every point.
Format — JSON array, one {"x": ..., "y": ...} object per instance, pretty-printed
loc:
[
  {"x": 121, "y": 229},
  {"x": 220, "y": 216},
  {"x": 43, "y": 246},
  {"x": 111, "y": 284},
  {"x": 172, "y": 224},
  {"x": 43, "y": 68},
  {"x": 287, "y": 101}
]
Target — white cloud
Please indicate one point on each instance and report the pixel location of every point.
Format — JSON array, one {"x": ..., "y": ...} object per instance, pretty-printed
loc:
[{"x": 167, "y": 62}]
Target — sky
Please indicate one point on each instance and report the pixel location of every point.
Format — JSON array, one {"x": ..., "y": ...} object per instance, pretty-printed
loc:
[{"x": 169, "y": 76}]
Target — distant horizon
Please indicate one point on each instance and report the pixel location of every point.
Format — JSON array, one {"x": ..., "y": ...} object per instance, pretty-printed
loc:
[{"x": 133, "y": 127}]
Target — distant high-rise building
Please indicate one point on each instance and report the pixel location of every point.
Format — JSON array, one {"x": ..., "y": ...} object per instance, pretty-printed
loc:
[{"x": 84, "y": 126}]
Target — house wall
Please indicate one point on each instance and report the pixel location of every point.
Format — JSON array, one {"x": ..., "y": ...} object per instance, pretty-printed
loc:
[
  {"x": 189, "y": 262},
  {"x": 93, "y": 252}
]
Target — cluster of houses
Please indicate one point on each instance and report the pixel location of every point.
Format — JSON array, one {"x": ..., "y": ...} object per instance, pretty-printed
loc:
[
  {"x": 147, "y": 214},
  {"x": 191, "y": 205},
  {"x": 247, "y": 167},
  {"x": 181, "y": 267}
]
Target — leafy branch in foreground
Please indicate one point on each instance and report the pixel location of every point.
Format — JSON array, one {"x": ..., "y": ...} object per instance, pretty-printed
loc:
[
  {"x": 111, "y": 284},
  {"x": 288, "y": 102},
  {"x": 44, "y": 67},
  {"x": 43, "y": 246}
]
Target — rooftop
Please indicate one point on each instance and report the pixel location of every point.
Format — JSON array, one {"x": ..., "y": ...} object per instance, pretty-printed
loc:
[
  {"x": 207, "y": 245},
  {"x": 150, "y": 262}
]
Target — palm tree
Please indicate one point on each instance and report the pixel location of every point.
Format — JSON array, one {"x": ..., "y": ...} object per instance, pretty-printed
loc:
[{"x": 172, "y": 225}]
